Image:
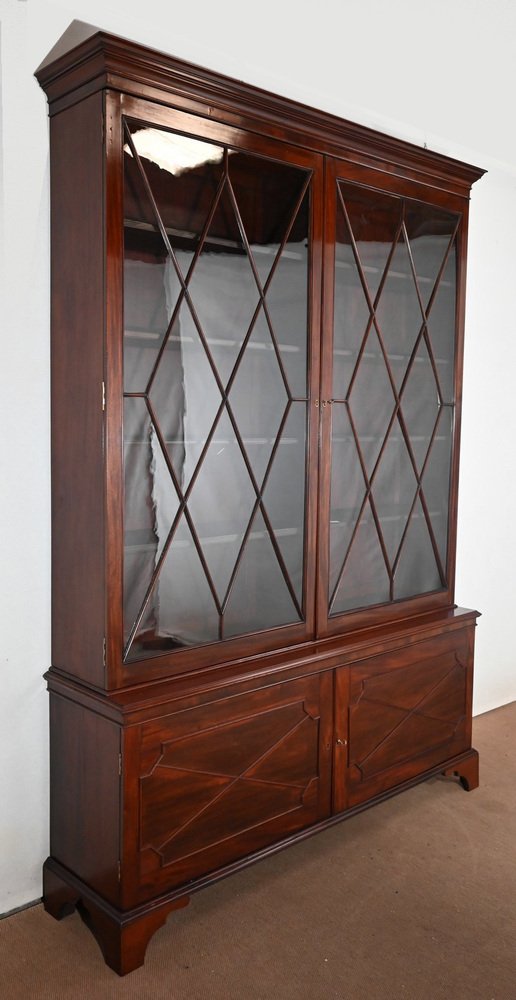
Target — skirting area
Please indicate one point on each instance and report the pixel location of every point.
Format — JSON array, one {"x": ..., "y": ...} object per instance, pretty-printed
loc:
[{"x": 412, "y": 900}]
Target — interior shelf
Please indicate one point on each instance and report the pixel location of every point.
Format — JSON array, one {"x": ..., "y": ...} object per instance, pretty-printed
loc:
[{"x": 184, "y": 234}]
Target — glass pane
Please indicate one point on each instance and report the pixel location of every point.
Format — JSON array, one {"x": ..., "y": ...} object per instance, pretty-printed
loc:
[
  {"x": 398, "y": 312},
  {"x": 436, "y": 479},
  {"x": 223, "y": 288},
  {"x": 365, "y": 580},
  {"x": 394, "y": 490},
  {"x": 287, "y": 302},
  {"x": 417, "y": 571},
  {"x": 429, "y": 232},
  {"x": 185, "y": 396},
  {"x": 441, "y": 328},
  {"x": 183, "y": 174},
  {"x": 151, "y": 503},
  {"x": 284, "y": 495},
  {"x": 371, "y": 401},
  {"x": 145, "y": 306},
  {"x": 258, "y": 397},
  {"x": 374, "y": 220},
  {"x": 420, "y": 404},
  {"x": 204, "y": 227},
  {"x": 260, "y": 597},
  {"x": 221, "y": 503},
  {"x": 256, "y": 183},
  {"x": 183, "y": 196},
  {"x": 181, "y": 610},
  {"x": 351, "y": 311},
  {"x": 347, "y": 489}
]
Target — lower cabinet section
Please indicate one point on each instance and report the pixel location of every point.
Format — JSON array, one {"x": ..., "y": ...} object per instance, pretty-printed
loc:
[
  {"x": 155, "y": 796},
  {"x": 225, "y": 779}
]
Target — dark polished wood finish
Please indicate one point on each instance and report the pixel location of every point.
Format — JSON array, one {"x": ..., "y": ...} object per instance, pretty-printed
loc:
[
  {"x": 406, "y": 712},
  {"x": 175, "y": 769},
  {"x": 77, "y": 373},
  {"x": 466, "y": 771},
  {"x": 122, "y": 937},
  {"x": 104, "y": 61},
  {"x": 220, "y": 781},
  {"x": 85, "y": 794}
]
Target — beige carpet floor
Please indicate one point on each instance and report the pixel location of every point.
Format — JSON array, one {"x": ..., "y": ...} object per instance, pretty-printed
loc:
[{"x": 412, "y": 900}]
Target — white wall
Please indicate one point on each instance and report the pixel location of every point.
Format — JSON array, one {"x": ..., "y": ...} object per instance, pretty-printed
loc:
[{"x": 441, "y": 72}]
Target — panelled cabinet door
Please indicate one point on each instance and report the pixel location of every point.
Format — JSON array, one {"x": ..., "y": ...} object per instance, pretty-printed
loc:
[
  {"x": 217, "y": 782},
  {"x": 221, "y": 280},
  {"x": 389, "y": 398},
  {"x": 401, "y": 713}
]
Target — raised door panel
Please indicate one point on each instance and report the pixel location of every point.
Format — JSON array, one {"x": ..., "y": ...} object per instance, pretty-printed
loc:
[
  {"x": 226, "y": 779},
  {"x": 401, "y": 714}
]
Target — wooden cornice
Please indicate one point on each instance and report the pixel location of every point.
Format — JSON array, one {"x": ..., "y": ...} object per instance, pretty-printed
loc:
[{"x": 100, "y": 60}]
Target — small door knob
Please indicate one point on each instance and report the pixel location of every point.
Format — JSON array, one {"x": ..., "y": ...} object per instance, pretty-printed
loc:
[{"x": 342, "y": 743}]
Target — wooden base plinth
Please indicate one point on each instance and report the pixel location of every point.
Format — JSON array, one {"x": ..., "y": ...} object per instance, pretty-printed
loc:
[
  {"x": 466, "y": 771},
  {"x": 122, "y": 937}
]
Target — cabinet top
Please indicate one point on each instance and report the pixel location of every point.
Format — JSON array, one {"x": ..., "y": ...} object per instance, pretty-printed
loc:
[{"x": 86, "y": 59}]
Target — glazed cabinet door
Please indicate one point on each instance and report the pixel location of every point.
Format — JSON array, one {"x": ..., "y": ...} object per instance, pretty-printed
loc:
[
  {"x": 221, "y": 281},
  {"x": 225, "y": 779},
  {"x": 401, "y": 713},
  {"x": 390, "y": 415}
]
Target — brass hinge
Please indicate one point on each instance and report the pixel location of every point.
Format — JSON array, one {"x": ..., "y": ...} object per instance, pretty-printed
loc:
[
  {"x": 103, "y": 395},
  {"x": 104, "y": 651},
  {"x": 119, "y": 871},
  {"x": 119, "y": 764}
]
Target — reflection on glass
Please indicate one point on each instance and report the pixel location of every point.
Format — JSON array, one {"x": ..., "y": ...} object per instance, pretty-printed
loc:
[
  {"x": 370, "y": 220},
  {"x": 429, "y": 232},
  {"x": 215, "y": 352},
  {"x": 172, "y": 152},
  {"x": 394, "y": 343}
]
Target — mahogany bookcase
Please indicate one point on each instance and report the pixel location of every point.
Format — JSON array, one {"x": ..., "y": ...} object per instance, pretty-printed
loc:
[{"x": 257, "y": 337}]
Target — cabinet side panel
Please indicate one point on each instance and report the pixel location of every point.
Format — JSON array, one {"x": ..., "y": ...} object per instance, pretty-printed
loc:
[
  {"x": 77, "y": 375},
  {"x": 85, "y": 795}
]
